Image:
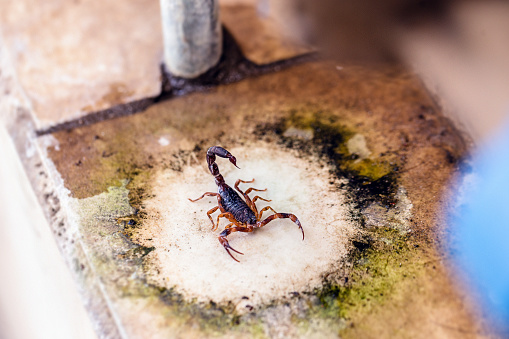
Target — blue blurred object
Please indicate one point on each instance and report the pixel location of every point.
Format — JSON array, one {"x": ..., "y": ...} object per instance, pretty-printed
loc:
[{"x": 482, "y": 226}]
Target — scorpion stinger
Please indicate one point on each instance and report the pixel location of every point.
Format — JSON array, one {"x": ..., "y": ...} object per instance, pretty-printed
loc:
[
  {"x": 221, "y": 152},
  {"x": 242, "y": 214}
]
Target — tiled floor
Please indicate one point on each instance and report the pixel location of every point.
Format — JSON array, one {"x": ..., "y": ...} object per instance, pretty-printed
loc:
[{"x": 371, "y": 139}]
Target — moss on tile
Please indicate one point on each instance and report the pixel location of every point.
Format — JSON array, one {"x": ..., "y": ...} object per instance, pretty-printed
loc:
[
  {"x": 382, "y": 261},
  {"x": 120, "y": 264},
  {"x": 331, "y": 135},
  {"x": 373, "y": 169},
  {"x": 322, "y": 114},
  {"x": 372, "y": 275},
  {"x": 371, "y": 179}
]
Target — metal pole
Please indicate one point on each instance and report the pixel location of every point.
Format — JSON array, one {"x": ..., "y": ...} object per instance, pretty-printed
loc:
[{"x": 192, "y": 36}]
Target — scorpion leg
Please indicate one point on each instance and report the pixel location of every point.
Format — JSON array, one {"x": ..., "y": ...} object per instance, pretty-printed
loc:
[
  {"x": 228, "y": 216},
  {"x": 258, "y": 197},
  {"x": 259, "y": 214},
  {"x": 255, "y": 189},
  {"x": 249, "y": 202},
  {"x": 255, "y": 209},
  {"x": 266, "y": 208},
  {"x": 211, "y": 194},
  {"x": 223, "y": 241},
  {"x": 206, "y": 194},
  {"x": 279, "y": 216},
  {"x": 214, "y": 227},
  {"x": 244, "y": 182}
]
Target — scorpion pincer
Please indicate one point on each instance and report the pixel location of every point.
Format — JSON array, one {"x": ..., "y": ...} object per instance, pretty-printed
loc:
[{"x": 242, "y": 215}]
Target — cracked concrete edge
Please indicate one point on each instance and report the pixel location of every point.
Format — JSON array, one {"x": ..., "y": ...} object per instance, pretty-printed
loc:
[{"x": 17, "y": 116}]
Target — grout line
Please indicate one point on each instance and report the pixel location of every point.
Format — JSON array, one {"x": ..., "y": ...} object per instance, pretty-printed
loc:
[{"x": 232, "y": 67}]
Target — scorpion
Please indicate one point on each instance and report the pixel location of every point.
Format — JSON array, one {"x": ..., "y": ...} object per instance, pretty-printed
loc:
[{"x": 243, "y": 214}]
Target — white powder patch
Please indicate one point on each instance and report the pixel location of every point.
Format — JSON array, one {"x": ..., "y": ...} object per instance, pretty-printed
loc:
[
  {"x": 276, "y": 261},
  {"x": 163, "y": 141}
]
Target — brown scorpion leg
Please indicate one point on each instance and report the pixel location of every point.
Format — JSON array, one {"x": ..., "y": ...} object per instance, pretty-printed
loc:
[
  {"x": 249, "y": 190},
  {"x": 223, "y": 241},
  {"x": 206, "y": 194},
  {"x": 259, "y": 214},
  {"x": 244, "y": 182},
  {"x": 212, "y": 210},
  {"x": 211, "y": 194},
  {"x": 255, "y": 209},
  {"x": 228, "y": 216},
  {"x": 279, "y": 216},
  {"x": 246, "y": 197},
  {"x": 266, "y": 209},
  {"x": 258, "y": 197},
  {"x": 250, "y": 203}
]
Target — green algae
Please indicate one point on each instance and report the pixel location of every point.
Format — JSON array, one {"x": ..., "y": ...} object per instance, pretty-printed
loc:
[
  {"x": 385, "y": 257},
  {"x": 120, "y": 264},
  {"x": 331, "y": 135},
  {"x": 211, "y": 319},
  {"x": 375, "y": 272},
  {"x": 106, "y": 206},
  {"x": 378, "y": 269},
  {"x": 369, "y": 168},
  {"x": 369, "y": 179},
  {"x": 373, "y": 276}
]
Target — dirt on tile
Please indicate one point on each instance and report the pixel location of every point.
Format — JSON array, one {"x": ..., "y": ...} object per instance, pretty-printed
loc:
[
  {"x": 277, "y": 259},
  {"x": 396, "y": 278},
  {"x": 73, "y": 58}
]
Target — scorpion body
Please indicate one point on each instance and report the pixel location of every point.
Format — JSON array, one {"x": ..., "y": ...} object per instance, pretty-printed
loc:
[
  {"x": 242, "y": 214},
  {"x": 233, "y": 203}
]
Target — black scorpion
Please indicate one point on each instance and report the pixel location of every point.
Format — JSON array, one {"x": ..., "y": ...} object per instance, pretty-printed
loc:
[{"x": 243, "y": 214}]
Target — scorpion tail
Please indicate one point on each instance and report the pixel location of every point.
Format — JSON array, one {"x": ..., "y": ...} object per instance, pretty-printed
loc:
[{"x": 221, "y": 152}]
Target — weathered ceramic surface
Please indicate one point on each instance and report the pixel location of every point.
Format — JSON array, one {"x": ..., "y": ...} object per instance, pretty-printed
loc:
[
  {"x": 370, "y": 139},
  {"x": 366, "y": 145},
  {"x": 61, "y": 50},
  {"x": 73, "y": 58},
  {"x": 259, "y": 35}
]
